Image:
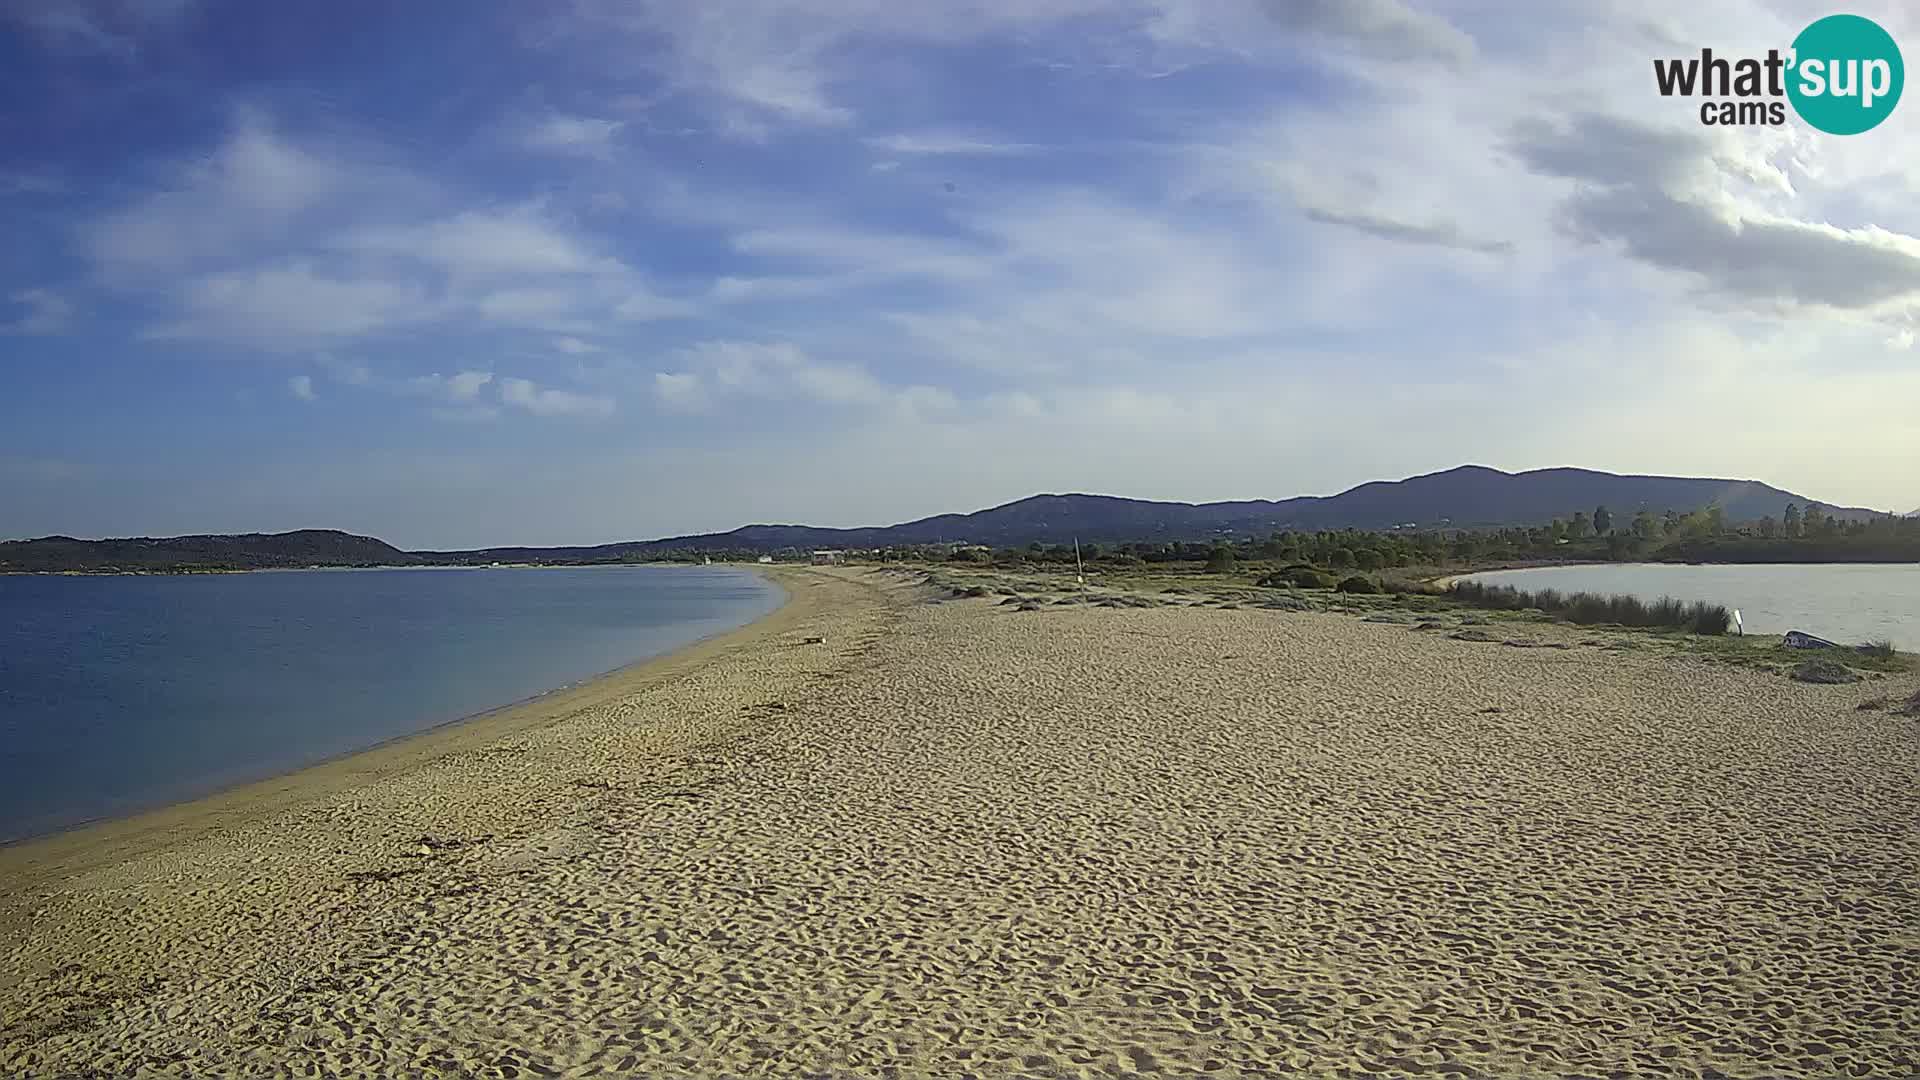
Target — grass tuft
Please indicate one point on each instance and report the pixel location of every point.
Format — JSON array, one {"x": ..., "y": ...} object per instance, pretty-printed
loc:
[{"x": 1823, "y": 670}]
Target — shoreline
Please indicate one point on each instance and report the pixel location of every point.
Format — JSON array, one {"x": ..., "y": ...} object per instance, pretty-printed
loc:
[
  {"x": 203, "y": 813},
  {"x": 876, "y": 835},
  {"x": 117, "y": 572}
]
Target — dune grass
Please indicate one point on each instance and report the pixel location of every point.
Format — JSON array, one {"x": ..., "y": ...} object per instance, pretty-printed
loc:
[{"x": 1592, "y": 608}]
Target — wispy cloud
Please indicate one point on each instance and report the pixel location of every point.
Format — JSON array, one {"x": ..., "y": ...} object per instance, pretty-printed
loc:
[
  {"x": 565, "y": 133},
  {"x": 520, "y": 240},
  {"x": 29, "y": 182},
  {"x": 47, "y": 312},
  {"x": 113, "y": 28},
  {"x": 301, "y": 386},
  {"x": 293, "y": 305},
  {"x": 712, "y": 372},
  {"x": 938, "y": 143},
  {"x": 1437, "y": 233},
  {"x": 248, "y": 196}
]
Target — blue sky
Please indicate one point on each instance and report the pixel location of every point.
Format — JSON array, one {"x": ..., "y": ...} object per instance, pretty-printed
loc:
[{"x": 459, "y": 274}]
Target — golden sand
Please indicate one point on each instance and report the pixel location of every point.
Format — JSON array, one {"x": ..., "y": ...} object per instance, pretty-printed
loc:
[{"x": 958, "y": 839}]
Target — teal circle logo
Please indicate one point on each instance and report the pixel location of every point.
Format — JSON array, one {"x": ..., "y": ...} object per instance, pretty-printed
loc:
[{"x": 1845, "y": 74}]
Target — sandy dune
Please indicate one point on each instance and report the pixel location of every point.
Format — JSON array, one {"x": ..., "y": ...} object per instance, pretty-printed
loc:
[{"x": 956, "y": 839}]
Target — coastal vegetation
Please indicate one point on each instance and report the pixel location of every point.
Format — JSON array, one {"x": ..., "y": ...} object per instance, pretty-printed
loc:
[
  {"x": 1797, "y": 536},
  {"x": 1587, "y": 609},
  {"x": 1407, "y": 596}
]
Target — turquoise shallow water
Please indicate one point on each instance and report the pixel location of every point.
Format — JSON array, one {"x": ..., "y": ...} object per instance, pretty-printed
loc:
[
  {"x": 123, "y": 693},
  {"x": 1845, "y": 602}
]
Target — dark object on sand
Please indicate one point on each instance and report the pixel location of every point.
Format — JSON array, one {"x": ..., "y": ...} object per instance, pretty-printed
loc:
[
  {"x": 1824, "y": 671},
  {"x": 1800, "y": 639},
  {"x": 1472, "y": 635}
]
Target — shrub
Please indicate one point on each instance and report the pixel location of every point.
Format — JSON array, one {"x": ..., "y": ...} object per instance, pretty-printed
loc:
[
  {"x": 1357, "y": 583},
  {"x": 1300, "y": 577},
  {"x": 1589, "y": 608},
  {"x": 1879, "y": 650},
  {"x": 1220, "y": 561}
]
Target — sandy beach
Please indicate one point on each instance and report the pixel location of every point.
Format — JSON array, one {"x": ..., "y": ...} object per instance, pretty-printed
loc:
[{"x": 958, "y": 839}]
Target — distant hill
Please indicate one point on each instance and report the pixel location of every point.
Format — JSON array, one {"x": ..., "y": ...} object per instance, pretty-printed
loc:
[
  {"x": 245, "y": 551},
  {"x": 1470, "y": 496},
  {"x": 1466, "y": 497}
]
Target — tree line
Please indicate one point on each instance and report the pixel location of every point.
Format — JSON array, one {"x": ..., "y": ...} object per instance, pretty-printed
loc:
[{"x": 1797, "y": 534}]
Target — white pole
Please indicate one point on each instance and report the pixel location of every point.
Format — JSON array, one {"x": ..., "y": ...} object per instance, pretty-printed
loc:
[
  {"x": 1079, "y": 571},
  {"x": 1739, "y": 628}
]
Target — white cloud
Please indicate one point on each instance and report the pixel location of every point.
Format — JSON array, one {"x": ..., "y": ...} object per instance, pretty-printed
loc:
[
  {"x": 1389, "y": 28},
  {"x": 233, "y": 243},
  {"x": 462, "y": 388},
  {"x": 767, "y": 67},
  {"x": 246, "y": 197},
  {"x": 564, "y": 133},
  {"x": 466, "y": 385},
  {"x": 538, "y": 305},
  {"x": 681, "y": 391},
  {"x": 947, "y": 143},
  {"x": 519, "y": 240},
  {"x": 1684, "y": 202},
  {"x": 644, "y": 305},
  {"x": 301, "y": 386},
  {"x": 781, "y": 371},
  {"x": 473, "y": 395},
  {"x": 531, "y": 397},
  {"x": 47, "y": 312},
  {"x": 291, "y": 305},
  {"x": 573, "y": 346}
]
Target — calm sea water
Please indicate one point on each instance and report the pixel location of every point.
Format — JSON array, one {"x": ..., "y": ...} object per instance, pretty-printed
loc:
[
  {"x": 123, "y": 693},
  {"x": 1848, "y": 603}
]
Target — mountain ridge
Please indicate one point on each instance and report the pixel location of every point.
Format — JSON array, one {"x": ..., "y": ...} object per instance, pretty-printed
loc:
[{"x": 1466, "y": 496}]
